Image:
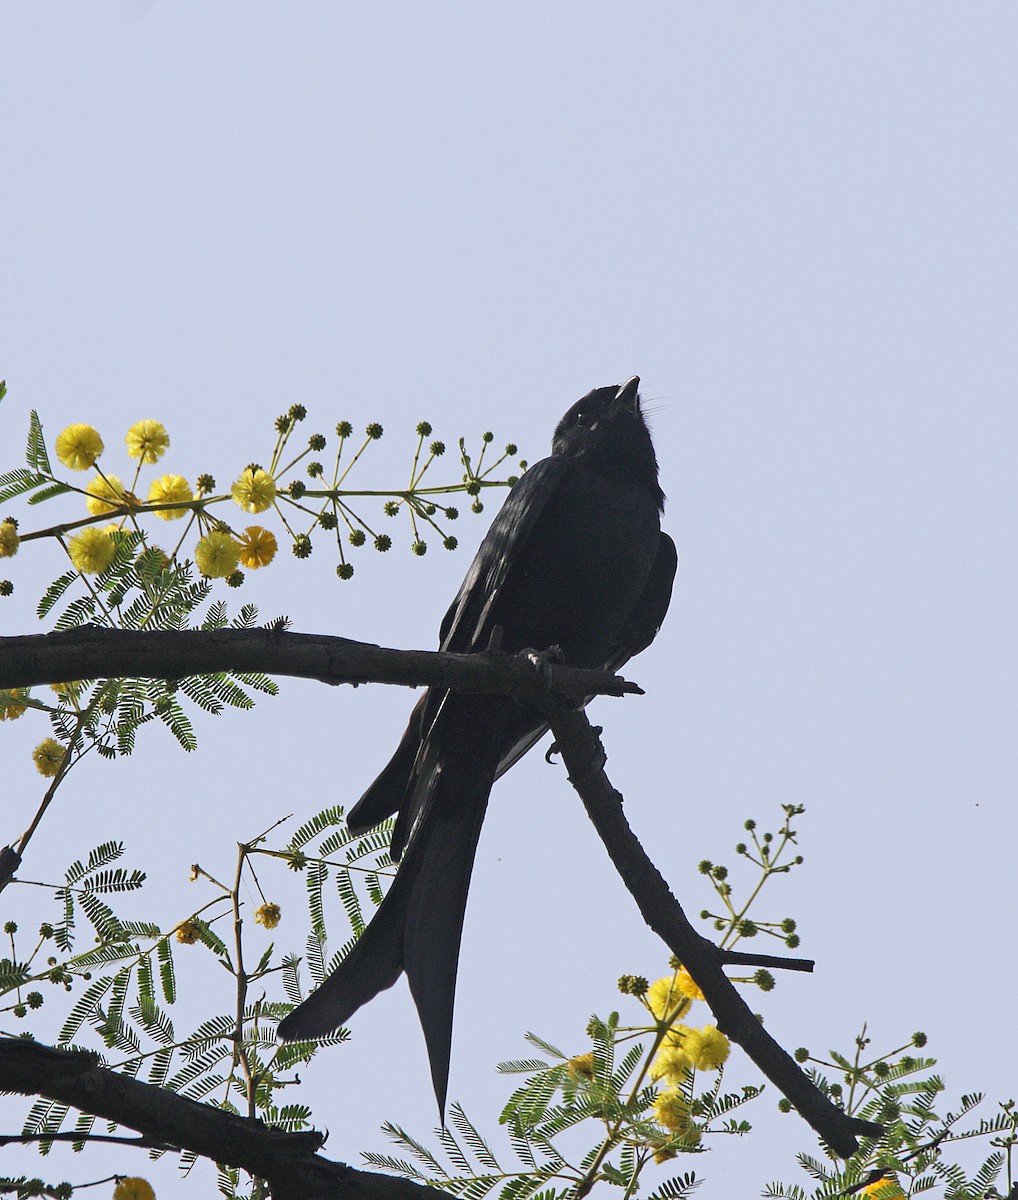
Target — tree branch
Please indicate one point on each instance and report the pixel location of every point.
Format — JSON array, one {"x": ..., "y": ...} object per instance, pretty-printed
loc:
[
  {"x": 94, "y": 652},
  {"x": 287, "y": 1161},
  {"x": 584, "y": 757}
]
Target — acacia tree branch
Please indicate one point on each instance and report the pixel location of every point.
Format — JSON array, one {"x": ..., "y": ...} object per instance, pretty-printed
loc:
[
  {"x": 287, "y": 1161},
  {"x": 95, "y": 652},
  {"x": 584, "y": 758}
]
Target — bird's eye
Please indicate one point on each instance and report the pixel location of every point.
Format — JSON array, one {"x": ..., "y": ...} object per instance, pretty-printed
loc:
[{"x": 582, "y": 417}]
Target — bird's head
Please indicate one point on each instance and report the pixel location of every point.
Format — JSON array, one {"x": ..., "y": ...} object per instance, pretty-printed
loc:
[{"x": 607, "y": 429}]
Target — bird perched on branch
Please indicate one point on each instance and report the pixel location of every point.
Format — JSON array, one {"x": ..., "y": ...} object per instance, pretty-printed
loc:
[{"x": 575, "y": 558}]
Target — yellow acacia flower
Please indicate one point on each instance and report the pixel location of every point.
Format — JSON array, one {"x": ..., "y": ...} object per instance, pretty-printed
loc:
[
  {"x": 687, "y": 985},
  {"x": 48, "y": 756},
  {"x": 216, "y": 555},
  {"x": 147, "y": 440},
  {"x": 133, "y": 1187},
  {"x": 9, "y": 539},
  {"x": 255, "y": 490},
  {"x": 671, "y": 1109},
  {"x": 268, "y": 915},
  {"x": 92, "y": 550},
  {"x": 69, "y": 688},
  {"x": 79, "y": 446},
  {"x": 707, "y": 1047},
  {"x": 581, "y": 1066},
  {"x": 187, "y": 933},
  {"x": 258, "y": 547},
  {"x": 103, "y": 490},
  {"x": 672, "y": 1061},
  {"x": 10, "y": 703},
  {"x": 166, "y": 489},
  {"x": 665, "y": 1000}
]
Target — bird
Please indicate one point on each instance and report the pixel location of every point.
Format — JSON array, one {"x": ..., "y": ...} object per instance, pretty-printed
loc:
[{"x": 575, "y": 559}]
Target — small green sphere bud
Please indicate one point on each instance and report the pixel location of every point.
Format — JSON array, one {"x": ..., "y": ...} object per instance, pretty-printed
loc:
[
  {"x": 327, "y": 520},
  {"x": 512, "y": 480},
  {"x": 741, "y": 848},
  {"x": 10, "y": 927},
  {"x": 510, "y": 448},
  {"x": 206, "y": 483},
  {"x": 316, "y": 470},
  {"x": 764, "y": 980},
  {"x": 487, "y": 437},
  {"x": 784, "y": 1105},
  {"x": 46, "y": 930},
  {"x": 302, "y": 546},
  {"x": 473, "y": 487},
  {"x": 298, "y": 412},
  {"x": 423, "y": 429},
  {"x": 450, "y": 543},
  {"x": 798, "y": 860},
  {"x": 20, "y": 1010},
  {"x": 374, "y": 431},
  {"x": 750, "y": 825},
  {"x": 801, "y": 1054},
  {"x": 34, "y": 999},
  {"x": 747, "y": 928},
  {"x": 282, "y": 424},
  {"x": 881, "y": 1069},
  {"x": 383, "y": 542},
  {"x": 919, "y": 1039},
  {"x": 437, "y": 449},
  {"x": 792, "y": 941},
  {"x": 419, "y": 548},
  {"x": 344, "y": 429},
  {"x": 235, "y": 579},
  {"x": 705, "y": 867},
  {"x": 704, "y": 915},
  {"x": 788, "y": 925},
  {"x": 720, "y": 872},
  {"x": 6, "y": 587},
  {"x": 719, "y": 924},
  {"x": 452, "y": 513},
  {"x": 345, "y": 570},
  {"x": 357, "y": 537},
  {"x": 523, "y": 464},
  {"x": 316, "y": 442},
  {"x": 390, "y": 508},
  {"x": 477, "y": 507},
  {"x": 297, "y": 489}
]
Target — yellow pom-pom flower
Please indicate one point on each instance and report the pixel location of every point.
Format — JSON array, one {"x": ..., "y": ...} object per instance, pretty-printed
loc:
[
  {"x": 581, "y": 1066},
  {"x": 147, "y": 440},
  {"x": 78, "y": 447},
  {"x": 9, "y": 539},
  {"x": 10, "y": 703},
  {"x": 133, "y": 1187},
  {"x": 92, "y": 550},
  {"x": 216, "y": 555},
  {"x": 105, "y": 495},
  {"x": 672, "y": 1061},
  {"x": 687, "y": 985},
  {"x": 671, "y": 1109},
  {"x": 268, "y": 915},
  {"x": 48, "y": 756},
  {"x": 167, "y": 489},
  {"x": 255, "y": 490},
  {"x": 258, "y": 547},
  {"x": 665, "y": 1000},
  {"x": 69, "y": 689},
  {"x": 187, "y": 933},
  {"x": 707, "y": 1047}
]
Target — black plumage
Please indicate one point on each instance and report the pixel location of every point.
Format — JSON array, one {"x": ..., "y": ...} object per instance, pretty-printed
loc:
[{"x": 574, "y": 558}]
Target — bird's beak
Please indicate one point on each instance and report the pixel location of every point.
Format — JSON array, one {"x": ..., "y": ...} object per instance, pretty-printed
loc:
[{"x": 626, "y": 397}]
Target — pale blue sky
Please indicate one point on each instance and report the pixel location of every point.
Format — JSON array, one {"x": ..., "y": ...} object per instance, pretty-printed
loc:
[{"x": 797, "y": 224}]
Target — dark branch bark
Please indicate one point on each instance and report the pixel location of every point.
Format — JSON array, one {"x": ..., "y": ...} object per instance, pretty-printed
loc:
[
  {"x": 287, "y": 1161},
  {"x": 584, "y": 757},
  {"x": 94, "y": 652}
]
